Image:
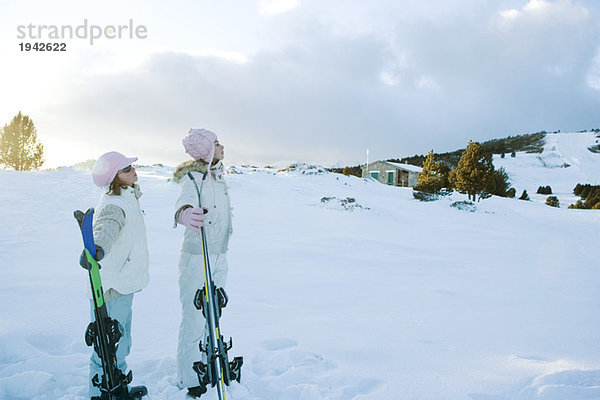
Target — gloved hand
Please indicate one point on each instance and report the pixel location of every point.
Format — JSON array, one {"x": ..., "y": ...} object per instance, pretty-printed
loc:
[
  {"x": 192, "y": 217},
  {"x": 83, "y": 261}
]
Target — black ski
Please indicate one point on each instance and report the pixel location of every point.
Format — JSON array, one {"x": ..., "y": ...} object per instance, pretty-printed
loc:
[
  {"x": 218, "y": 371},
  {"x": 104, "y": 332}
]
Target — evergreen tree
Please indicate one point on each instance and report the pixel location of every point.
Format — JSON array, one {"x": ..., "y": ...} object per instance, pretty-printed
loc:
[
  {"x": 590, "y": 196},
  {"x": 592, "y": 201},
  {"x": 497, "y": 183},
  {"x": 544, "y": 190},
  {"x": 19, "y": 147},
  {"x": 524, "y": 196},
  {"x": 444, "y": 171},
  {"x": 431, "y": 179},
  {"x": 473, "y": 171}
]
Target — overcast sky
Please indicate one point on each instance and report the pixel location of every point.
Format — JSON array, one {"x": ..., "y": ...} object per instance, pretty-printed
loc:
[{"x": 316, "y": 81}]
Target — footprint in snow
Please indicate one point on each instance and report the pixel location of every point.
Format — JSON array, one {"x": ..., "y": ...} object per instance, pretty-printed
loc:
[
  {"x": 280, "y": 370},
  {"x": 50, "y": 344},
  {"x": 362, "y": 387},
  {"x": 571, "y": 384}
]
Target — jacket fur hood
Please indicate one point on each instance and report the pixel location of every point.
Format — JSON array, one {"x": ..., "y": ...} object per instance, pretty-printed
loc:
[{"x": 197, "y": 166}]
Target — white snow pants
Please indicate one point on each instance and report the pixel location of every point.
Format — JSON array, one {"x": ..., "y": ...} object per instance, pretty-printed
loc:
[
  {"x": 193, "y": 327},
  {"x": 119, "y": 309}
]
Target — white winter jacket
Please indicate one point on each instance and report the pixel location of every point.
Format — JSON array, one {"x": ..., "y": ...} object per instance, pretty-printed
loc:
[
  {"x": 215, "y": 198},
  {"x": 124, "y": 267}
]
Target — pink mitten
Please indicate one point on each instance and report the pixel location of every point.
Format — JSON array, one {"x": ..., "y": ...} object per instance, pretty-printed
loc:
[{"x": 192, "y": 217}]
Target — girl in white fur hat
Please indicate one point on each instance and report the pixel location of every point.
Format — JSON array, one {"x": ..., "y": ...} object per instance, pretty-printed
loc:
[{"x": 202, "y": 145}]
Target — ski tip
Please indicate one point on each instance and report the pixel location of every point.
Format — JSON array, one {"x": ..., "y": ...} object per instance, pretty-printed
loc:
[{"x": 80, "y": 215}]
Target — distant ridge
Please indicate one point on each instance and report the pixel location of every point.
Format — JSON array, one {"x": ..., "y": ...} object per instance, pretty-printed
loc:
[{"x": 528, "y": 143}]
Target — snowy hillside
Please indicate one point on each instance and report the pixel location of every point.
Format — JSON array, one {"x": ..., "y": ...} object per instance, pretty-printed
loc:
[
  {"x": 565, "y": 162},
  {"x": 340, "y": 288}
]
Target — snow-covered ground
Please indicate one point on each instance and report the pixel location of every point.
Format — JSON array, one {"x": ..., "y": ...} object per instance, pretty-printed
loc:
[
  {"x": 565, "y": 162},
  {"x": 384, "y": 297}
]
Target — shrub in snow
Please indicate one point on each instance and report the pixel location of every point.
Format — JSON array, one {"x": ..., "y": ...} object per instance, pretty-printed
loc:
[
  {"x": 348, "y": 204},
  {"x": 233, "y": 170},
  {"x": 544, "y": 190},
  {"x": 464, "y": 205},
  {"x": 579, "y": 204},
  {"x": 595, "y": 148},
  {"x": 424, "y": 196},
  {"x": 592, "y": 202},
  {"x": 511, "y": 193},
  {"x": 590, "y": 196},
  {"x": 552, "y": 201},
  {"x": 524, "y": 195},
  {"x": 305, "y": 168}
]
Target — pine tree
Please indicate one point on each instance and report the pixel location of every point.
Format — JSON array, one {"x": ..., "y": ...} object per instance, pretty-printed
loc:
[
  {"x": 431, "y": 179},
  {"x": 524, "y": 196},
  {"x": 19, "y": 147},
  {"x": 497, "y": 182},
  {"x": 473, "y": 171}
]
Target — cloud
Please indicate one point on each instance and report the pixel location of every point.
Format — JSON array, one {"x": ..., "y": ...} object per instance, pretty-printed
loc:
[
  {"x": 299, "y": 103},
  {"x": 324, "y": 94},
  {"x": 272, "y": 7}
]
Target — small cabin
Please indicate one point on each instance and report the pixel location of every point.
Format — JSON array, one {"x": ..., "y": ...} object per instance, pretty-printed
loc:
[{"x": 392, "y": 173}]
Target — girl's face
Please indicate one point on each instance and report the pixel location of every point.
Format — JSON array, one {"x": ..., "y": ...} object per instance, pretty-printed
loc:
[
  {"x": 128, "y": 175},
  {"x": 219, "y": 152}
]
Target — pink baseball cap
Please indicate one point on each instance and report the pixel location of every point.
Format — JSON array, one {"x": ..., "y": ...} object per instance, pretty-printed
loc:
[
  {"x": 107, "y": 165},
  {"x": 200, "y": 144}
]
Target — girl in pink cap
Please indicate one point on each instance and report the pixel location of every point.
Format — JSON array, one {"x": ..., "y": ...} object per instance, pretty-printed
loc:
[
  {"x": 202, "y": 145},
  {"x": 121, "y": 248}
]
